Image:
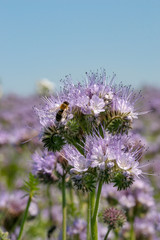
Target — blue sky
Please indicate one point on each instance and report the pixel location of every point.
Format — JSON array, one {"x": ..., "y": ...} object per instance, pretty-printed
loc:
[{"x": 53, "y": 38}]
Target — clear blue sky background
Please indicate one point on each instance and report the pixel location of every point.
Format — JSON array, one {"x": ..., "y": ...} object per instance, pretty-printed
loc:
[{"x": 53, "y": 38}]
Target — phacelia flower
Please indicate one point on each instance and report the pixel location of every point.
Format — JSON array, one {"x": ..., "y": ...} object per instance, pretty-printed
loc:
[
  {"x": 45, "y": 166},
  {"x": 76, "y": 160},
  {"x": 124, "y": 102},
  {"x": 127, "y": 162},
  {"x": 90, "y": 104},
  {"x": 97, "y": 105},
  {"x": 100, "y": 150}
]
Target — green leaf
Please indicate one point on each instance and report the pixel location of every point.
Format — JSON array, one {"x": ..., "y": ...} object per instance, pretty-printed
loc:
[{"x": 31, "y": 186}]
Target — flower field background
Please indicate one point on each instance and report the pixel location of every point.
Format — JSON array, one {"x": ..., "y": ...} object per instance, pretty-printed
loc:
[{"x": 20, "y": 149}]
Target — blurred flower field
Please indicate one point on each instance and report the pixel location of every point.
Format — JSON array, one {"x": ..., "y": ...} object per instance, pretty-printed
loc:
[{"x": 22, "y": 152}]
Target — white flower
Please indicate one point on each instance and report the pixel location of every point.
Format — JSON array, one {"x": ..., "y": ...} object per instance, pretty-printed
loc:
[
  {"x": 97, "y": 104},
  {"x": 80, "y": 164},
  {"x": 98, "y": 157},
  {"x": 82, "y": 101},
  {"x": 124, "y": 106},
  {"x": 124, "y": 161},
  {"x": 75, "y": 159},
  {"x": 109, "y": 95},
  {"x": 134, "y": 169},
  {"x": 128, "y": 163}
]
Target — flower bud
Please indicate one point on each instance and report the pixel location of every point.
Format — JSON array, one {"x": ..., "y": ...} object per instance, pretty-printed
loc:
[{"x": 114, "y": 218}]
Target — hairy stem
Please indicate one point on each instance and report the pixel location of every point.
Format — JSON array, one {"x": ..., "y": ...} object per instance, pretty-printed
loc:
[
  {"x": 92, "y": 201},
  {"x": 132, "y": 233},
  {"x": 88, "y": 218},
  {"x": 131, "y": 220},
  {"x": 64, "y": 207},
  {"x": 24, "y": 218},
  {"x": 72, "y": 201},
  {"x": 94, "y": 227}
]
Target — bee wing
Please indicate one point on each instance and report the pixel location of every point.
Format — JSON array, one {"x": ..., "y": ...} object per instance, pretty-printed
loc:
[
  {"x": 51, "y": 103},
  {"x": 53, "y": 109}
]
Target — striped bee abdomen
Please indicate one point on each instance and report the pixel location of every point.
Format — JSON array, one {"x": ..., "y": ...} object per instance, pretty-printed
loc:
[{"x": 59, "y": 115}]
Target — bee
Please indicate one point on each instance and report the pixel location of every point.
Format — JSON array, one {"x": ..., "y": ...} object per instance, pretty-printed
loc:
[{"x": 62, "y": 107}]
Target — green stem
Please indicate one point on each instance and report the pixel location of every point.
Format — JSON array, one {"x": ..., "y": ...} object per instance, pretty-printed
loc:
[
  {"x": 131, "y": 220},
  {"x": 88, "y": 218},
  {"x": 24, "y": 218},
  {"x": 132, "y": 233},
  {"x": 72, "y": 201},
  {"x": 109, "y": 229},
  {"x": 94, "y": 227},
  {"x": 64, "y": 207},
  {"x": 97, "y": 201},
  {"x": 92, "y": 201},
  {"x": 80, "y": 205}
]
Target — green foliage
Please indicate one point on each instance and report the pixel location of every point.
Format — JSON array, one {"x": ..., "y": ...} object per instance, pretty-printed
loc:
[
  {"x": 31, "y": 186},
  {"x": 122, "y": 182},
  {"x": 105, "y": 175},
  {"x": 73, "y": 128},
  {"x": 87, "y": 122},
  {"x": 117, "y": 123},
  {"x": 85, "y": 182},
  {"x": 76, "y": 143},
  {"x": 52, "y": 140}
]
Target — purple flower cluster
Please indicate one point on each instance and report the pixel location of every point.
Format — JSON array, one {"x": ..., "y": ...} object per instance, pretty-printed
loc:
[
  {"x": 46, "y": 165},
  {"x": 92, "y": 129},
  {"x": 113, "y": 152},
  {"x": 88, "y": 125},
  {"x": 94, "y": 97}
]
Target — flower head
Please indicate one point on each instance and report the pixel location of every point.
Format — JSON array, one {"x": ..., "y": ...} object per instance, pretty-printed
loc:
[
  {"x": 97, "y": 105},
  {"x": 44, "y": 166},
  {"x": 114, "y": 218},
  {"x": 99, "y": 149},
  {"x": 124, "y": 102},
  {"x": 75, "y": 159}
]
